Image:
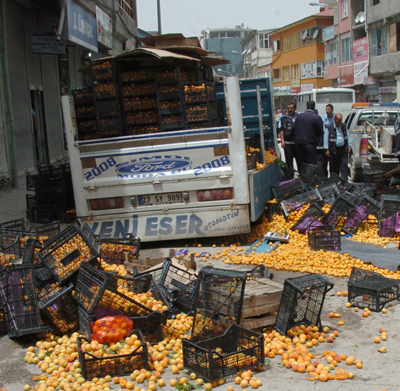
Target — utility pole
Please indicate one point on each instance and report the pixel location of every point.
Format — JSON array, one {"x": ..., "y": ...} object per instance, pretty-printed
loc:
[{"x": 159, "y": 16}]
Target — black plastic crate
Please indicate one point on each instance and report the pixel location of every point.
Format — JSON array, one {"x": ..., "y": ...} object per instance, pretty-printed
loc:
[
  {"x": 43, "y": 214},
  {"x": 238, "y": 349},
  {"x": 252, "y": 158},
  {"x": 83, "y": 96},
  {"x": 180, "y": 283},
  {"x": 114, "y": 251},
  {"x": 98, "y": 294},
  {"x": 312, "y": 217},
  {"x": 143, "y": 104},
  {"x": 110, "y": 127},
  {"x": 172, "y": 122},
  {"x": 302, "y": 301},
  {"x": 156, "y": 273},
  {"x": 62, "y": 311},
  {"x": 273, "y": 208},
  {"x": 113, "y": 303},
  {"x": 25, "y": 229},
  {"x": 150, "y": 327},
  {"x": 389, "y": 215},
  {"x": 259, "y": 271},
  {"x": 329, "y": 193},
  {"x": 137, "y": 75},
  {"x": 51, "y": 292},
  {"x": 218, "y": 302},
  {"x": 29, "y": 252},
  {"x": 376, "y": 177},
  {"x": 118, "y": 365},
  {"x": 295, "y": 203},
  {"x": 31, "y": 201},
  {"x": 85, "y": 321},
  {"x": 43, "y": 277},
  {"x": 10, "y": 250},
  {"x": 288, "y": 189},
  {"x": 342, "y": 208},
  {"x": 307, "y": 173},
  {"x": 367, "y": 206},
  {"x": 31, "y": 180},
  {"x": 65, "y": 253},
  {"x": 171, "y": 107},
  {"x": 3, "y": 323},
  {"x": 324, "y": 237},
  {"x": 142, "y": 284},
  {"x": 368, "y": 289},
  {"x": 198, "y": 91},
  {"x": 18, "y": 293},
  {"x": 90, "y": 286}
]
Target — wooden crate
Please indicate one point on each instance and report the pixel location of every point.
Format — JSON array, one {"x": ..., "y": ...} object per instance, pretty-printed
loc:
[{"x": 262, "y": 297}]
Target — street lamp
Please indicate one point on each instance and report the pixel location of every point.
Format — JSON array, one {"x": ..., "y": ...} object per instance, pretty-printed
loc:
[{"x": 323, "y": 5}]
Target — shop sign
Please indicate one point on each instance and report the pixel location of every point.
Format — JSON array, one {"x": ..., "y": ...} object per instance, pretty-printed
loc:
[
  {"x": 373, "y": 89},
  {"x": 295, "y": 83},
  {"x": 360, "y": 72},
  {"x": 347, "y": 80},
  {"x": 282, "y": 90},
  {"x": 81, "y": 26},
  {"x": 104, "y": 28},
  {"x": 371, "y": 80},
  {"x": 328, "y": 33},
  {"x": 47, "y": 44},
  {"x": 360, "y": 50},
  {"x": 388, "y": 90},
  {"x": 295, "y": 87},
  {"x": 307, "y": 87}
]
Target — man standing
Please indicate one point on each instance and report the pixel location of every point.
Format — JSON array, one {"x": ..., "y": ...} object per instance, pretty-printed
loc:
[
  {"x": 307, "y": 130},
  {"x": 337, "y": 145},
  {"x": 286, "y": 135},
  {"x": 322, "y": 159}
]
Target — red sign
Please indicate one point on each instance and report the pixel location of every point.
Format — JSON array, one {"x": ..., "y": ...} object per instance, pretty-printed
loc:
[
  {"x": 360, "y": 50},
  {"x": 347, "y": 80},
  {"x": 295, "y": 90}
]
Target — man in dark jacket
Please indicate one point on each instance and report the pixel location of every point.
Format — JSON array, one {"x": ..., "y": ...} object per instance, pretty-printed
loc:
[
  {"x": 337, "y": 145},
  {"x": 286, "y": 135},
  {"x": 307, "y": 130}
]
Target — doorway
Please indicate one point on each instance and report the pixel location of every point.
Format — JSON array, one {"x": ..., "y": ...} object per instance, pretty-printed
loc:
[{"x": 39, "y": 128}]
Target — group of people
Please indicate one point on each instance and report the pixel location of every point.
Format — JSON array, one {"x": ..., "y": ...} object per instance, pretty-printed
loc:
[{"x": 311, "y": 139}]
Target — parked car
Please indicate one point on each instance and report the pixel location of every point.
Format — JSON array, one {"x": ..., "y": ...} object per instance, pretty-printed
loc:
[{"x": 371, "y": 130}]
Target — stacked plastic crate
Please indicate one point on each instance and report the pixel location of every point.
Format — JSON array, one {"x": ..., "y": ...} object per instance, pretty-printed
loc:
[
  {"x": 219, "y": 347},
  {"x": 53, "y": 197}
]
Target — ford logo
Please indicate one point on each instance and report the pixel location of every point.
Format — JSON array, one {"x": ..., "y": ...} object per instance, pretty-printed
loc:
[{"x": 153, "y": 164}]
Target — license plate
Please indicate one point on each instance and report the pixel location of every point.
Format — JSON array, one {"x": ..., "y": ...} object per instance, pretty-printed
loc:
[{"x": 169, "y": 198}]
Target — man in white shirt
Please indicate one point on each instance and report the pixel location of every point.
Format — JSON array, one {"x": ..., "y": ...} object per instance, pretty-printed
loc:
[{"x": 337, "y": 145}]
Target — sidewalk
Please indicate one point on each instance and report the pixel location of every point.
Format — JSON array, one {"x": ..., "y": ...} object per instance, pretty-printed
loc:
[{"x": 12, "y": 203}]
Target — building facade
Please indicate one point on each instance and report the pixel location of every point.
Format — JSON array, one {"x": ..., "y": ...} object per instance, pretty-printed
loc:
[
  {"x": 257, "y": 54},
  {"x": 227, "y": 44},
  {"x": 383, "y": 26},
  {"x": 45, "y": 44},
  {"x": 298, "y": 58},
  {"x": 338, "y": 46}
]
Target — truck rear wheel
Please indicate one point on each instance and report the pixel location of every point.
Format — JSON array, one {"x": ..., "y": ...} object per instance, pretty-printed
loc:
[{"x": 356, "y": 174}]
